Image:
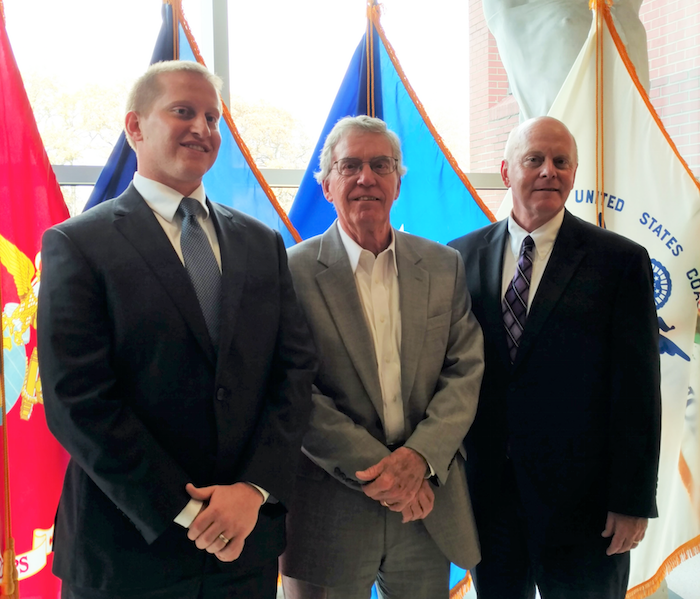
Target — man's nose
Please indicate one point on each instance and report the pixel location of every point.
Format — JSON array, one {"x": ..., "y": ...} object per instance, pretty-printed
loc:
[
  {"x": 200, "y": 125},
  {"x": 548, "y": 169},
  {"x": 367, "y": 176}
]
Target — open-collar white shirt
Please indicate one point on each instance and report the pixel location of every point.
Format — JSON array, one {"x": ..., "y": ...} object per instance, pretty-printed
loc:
[{"x": 377, "y": 279}]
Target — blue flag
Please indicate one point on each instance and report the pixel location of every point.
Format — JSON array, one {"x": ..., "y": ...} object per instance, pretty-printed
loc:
[
  {"x": 436, "y": 201},
  {"x": 234, "y": 180}
]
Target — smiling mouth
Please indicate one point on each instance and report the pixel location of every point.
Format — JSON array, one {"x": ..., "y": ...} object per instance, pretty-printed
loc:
[
  {"x": 365, "y": 199},
  {"x": 196, "y": 147}
]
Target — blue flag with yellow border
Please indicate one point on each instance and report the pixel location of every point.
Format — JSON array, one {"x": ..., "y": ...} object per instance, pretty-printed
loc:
[{"x": 436, "y": 200}]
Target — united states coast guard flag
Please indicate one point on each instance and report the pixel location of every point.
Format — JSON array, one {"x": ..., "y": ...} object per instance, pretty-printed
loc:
[
  {"x": 234, "y": 180},
  {"x": 632, "y": 180},
  {"x": 436, "y": 201}
]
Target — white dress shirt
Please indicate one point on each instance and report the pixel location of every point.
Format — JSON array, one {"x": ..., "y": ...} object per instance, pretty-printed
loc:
[
  {"x": 544, "y": 239},
  {"x": 377, "y": 279},
  {"x": 164, "y": 201}
]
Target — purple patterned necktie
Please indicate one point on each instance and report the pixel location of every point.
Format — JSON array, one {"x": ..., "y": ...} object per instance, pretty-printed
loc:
[{"x": 515, "y": 300}]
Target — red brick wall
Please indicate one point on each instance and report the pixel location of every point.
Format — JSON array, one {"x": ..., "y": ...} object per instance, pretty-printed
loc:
[
  {"x": 493, "y": 112},
  {"x": 673, "y": 33},
  {"x": 673, "y": 36}
]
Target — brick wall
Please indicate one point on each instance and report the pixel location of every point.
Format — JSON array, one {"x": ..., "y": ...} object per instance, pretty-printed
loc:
[
  {"x": 673, "y": 36},
  {"x": 493, "y": 111}
]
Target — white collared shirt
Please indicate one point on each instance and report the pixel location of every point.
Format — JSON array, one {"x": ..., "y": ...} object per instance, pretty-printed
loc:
[
  {"x": 544, "y": 238},
  {"x": 164, "y": 201},
  {"x": 377, "y": 280}
]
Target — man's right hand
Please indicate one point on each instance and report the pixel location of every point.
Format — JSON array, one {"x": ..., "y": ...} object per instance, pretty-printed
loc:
[
  {"x": 230, "y": 513},
  {"x": 421, "y": 505}
]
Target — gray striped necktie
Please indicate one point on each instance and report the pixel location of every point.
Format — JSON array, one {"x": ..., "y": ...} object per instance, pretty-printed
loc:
[
  {"x": 514, "y": 305},
  {"x": 201, "y": 265}
]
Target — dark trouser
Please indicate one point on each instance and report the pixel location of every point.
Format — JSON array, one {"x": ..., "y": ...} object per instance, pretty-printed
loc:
[
  {"x": 510, "y": 568},
  {"x": 213, "y": 584}
]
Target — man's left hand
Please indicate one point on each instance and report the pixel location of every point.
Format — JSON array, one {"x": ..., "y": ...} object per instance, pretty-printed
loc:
[
  {"x": 228, "y": 517},
  {"x": 626, "y": 532},
  {"x": 395, "y": 479}
]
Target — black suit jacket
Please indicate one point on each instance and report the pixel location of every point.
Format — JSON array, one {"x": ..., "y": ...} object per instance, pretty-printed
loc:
[
  {"x": 137, "y": 394},
  {"x": 579, "y": 411}
]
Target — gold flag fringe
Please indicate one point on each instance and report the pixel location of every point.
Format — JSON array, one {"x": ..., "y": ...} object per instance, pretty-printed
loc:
[{"x": 683, "y": 553}]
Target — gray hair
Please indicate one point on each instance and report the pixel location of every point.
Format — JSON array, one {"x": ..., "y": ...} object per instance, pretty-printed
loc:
[
  {"x": 516, "y": 135},
  {"x": 148, "y": 87},
  {"x": 362, "y": 124}
]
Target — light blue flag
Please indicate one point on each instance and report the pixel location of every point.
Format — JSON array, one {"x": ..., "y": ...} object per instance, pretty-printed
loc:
[
  {"x": 232, "y": 181},
  {"x": 436, "y": 199}
]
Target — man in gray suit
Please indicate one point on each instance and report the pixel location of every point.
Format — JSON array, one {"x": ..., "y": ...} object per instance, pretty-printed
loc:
[{"x": 381, "y": 493}]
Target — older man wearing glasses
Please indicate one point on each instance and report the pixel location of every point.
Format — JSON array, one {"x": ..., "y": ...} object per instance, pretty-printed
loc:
[{"x": 381, "y": 493}]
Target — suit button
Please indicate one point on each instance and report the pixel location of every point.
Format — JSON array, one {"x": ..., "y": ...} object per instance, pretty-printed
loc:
[{"x": 221, "y": 394}]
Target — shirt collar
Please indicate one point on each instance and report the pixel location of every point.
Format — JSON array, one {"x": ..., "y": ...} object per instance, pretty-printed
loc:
[
  {"x": 354, "y": 249},
  {"x": 544, "y": 237},
  {"x": 165, "y": 200}
]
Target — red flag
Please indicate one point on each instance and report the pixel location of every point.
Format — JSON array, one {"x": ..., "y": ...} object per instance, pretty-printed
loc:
[{"x": 30, "y": 202}]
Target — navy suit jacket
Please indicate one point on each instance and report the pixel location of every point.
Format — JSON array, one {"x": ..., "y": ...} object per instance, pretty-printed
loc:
[
  {"x": 578, "y": 413},
  {"x": 144, "y": 404}
]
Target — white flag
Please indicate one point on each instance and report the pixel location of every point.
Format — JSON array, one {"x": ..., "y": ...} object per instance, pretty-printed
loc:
[{"x": 650, "y": 196}]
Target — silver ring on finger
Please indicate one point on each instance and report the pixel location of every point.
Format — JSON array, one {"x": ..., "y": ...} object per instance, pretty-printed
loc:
[{"x": 224, "y": 539}]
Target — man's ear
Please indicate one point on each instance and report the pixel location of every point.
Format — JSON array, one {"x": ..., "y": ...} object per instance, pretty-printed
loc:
[
  {"x": 326, "y": 190},
  {"x": 132, "y": 126},
  {"x": 504, "y": 173}
]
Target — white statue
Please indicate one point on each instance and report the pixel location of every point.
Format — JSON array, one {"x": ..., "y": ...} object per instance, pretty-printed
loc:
[{"x": 539, "y": 40}]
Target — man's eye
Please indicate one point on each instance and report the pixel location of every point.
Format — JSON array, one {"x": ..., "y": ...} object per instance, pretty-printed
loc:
[
  {"x": 350, "y": 166},
  {"x": 380, "y": 165}
]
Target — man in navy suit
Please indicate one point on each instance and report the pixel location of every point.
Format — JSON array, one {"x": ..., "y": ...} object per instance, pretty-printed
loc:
[
  {"x": 176, "y": 370},
  {"x": 562, "y": 457}
]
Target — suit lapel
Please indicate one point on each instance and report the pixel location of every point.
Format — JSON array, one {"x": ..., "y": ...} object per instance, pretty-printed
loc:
[
  {"x": 414, "y": 283},
  {"x": 490, "y": 269},
  {"x": 135, "y": 220},
  {"x": 567, "y": 253},
  {"x": 232, "y": 236},
  {"x": 337, "y": 284}
]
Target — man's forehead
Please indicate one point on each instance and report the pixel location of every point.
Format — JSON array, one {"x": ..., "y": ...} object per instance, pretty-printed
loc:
[{"x": 354, "y": 142}]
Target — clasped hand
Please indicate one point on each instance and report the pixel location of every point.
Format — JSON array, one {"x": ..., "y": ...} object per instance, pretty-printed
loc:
[
  {"x": 229, "y": 514},
  {"x": 398, "y": 483}
]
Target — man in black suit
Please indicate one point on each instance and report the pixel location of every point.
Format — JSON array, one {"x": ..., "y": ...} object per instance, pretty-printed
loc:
[
  {"x": 176, "y": 370},
  {"x": 562, "y": 457}
]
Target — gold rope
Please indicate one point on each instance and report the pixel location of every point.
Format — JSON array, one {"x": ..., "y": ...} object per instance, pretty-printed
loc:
[
  {"x": 374, "y": 15},
  {"x": 237, "y": 136}
]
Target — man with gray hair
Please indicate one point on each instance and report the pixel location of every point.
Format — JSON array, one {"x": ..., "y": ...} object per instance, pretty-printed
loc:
[
  {"x": 564, "y": 451},
  {"x": 381, "y": 493},
  {"x": 176, "y": 370}
]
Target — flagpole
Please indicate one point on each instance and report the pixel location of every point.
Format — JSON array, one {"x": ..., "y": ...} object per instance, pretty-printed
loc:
[{"x": 9, "y": 586}]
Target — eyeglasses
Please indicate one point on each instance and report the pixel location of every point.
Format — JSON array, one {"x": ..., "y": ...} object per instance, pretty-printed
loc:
[{"x": 381, "y": 165}]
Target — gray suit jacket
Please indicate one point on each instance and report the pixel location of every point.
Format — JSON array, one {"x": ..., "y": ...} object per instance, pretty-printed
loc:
[{"x": 330, "y": 518}]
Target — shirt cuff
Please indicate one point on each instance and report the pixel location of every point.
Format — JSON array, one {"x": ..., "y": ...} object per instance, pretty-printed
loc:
[
  {"x": 189, "y": 513},
  {"x": 263, "y": 492}
]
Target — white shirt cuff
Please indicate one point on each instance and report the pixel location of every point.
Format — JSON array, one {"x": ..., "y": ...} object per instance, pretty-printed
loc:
[{"x": 189, "y": 513}]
